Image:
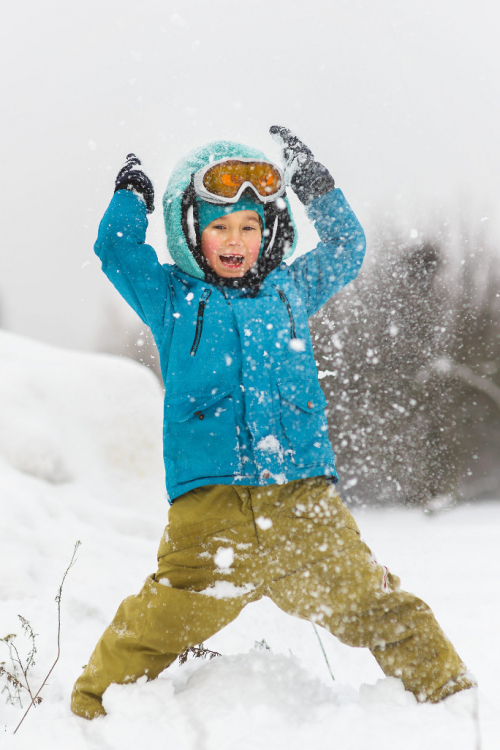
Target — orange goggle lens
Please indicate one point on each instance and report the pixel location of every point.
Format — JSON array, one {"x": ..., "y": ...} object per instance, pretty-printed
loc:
[{"x": 225, "y": 179}]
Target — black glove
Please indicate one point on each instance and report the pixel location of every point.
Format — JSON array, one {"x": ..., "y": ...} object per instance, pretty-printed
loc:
[
  {"x": 131, "y": 177},
  {"x": 308, "y": 178}
]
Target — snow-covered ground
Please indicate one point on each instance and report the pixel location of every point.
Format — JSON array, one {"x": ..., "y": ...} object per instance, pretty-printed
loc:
[{"x": 80, "y": 459}]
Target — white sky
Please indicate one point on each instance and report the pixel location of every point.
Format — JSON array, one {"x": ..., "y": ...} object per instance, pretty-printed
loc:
[{"x": 399, "y": 98}]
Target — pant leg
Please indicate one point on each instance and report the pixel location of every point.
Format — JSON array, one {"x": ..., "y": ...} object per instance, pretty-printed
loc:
[
  {"x": 179, "y": 606},
  {"x": 338, "y": 584}
]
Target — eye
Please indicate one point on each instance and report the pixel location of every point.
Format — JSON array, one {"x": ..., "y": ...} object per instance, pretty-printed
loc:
[{"x": 219, "y": 226}]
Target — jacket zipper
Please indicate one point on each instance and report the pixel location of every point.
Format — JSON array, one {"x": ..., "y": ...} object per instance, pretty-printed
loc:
[
  {"x": 199, "y": 320},
  {"x": 288, "y": 306}
]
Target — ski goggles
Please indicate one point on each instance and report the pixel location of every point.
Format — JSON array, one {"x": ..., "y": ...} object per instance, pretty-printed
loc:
[{"x": 225, "y": 180}]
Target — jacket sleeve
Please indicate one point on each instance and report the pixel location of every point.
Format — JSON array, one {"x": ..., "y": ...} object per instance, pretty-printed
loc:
[
  {"x": 131, "y": 266},
  {"x": 336, "y": 260}
]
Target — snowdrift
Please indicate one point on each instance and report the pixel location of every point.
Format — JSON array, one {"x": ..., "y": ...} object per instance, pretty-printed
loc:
[
  {"x": 80, "y": 459},
  {"x": 67, "y": 416}
]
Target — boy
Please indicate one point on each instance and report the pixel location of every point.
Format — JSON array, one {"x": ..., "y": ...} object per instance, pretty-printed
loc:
[{"x": 249, "y": 467}]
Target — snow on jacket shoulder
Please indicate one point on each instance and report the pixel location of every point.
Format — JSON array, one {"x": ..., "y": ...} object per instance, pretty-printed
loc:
[{"x": 243, "y": 404}]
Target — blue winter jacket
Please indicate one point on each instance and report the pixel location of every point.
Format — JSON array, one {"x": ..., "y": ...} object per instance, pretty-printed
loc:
[{"x": 243, "y": 404}]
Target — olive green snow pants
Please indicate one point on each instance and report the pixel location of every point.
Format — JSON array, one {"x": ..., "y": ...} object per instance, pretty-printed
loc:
[{"x": 226, "y": 546}]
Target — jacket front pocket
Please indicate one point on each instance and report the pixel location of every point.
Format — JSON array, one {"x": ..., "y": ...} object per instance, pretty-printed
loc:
[
  {"x": 302, "y": 405},
  {"x": 200, "y": 436}
]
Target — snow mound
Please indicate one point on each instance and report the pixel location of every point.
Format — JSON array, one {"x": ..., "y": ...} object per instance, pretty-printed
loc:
[
  {"x": 80, "y": 436},
  {"x": 67, "y": 416},
  {"x": 253, "y": 692}
]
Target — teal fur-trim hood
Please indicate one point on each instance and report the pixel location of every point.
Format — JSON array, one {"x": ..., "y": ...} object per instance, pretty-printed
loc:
[{"x": 180, "y": 210}]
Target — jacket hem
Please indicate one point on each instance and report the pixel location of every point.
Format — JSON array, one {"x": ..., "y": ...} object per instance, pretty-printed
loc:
[{"x": 326, "y": 470}]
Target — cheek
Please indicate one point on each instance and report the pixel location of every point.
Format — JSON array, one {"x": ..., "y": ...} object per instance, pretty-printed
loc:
[
  {"x": 209, "y": 245},
  {"x": 254, "y": 247}
]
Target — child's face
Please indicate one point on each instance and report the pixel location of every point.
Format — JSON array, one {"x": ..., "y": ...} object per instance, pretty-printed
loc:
[{"x": 231, "y": 243}]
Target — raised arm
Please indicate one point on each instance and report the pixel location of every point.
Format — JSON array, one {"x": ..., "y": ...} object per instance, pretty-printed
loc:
[
  {"x": 132, "y": 266},
  {"x": 336, "y": 260}
]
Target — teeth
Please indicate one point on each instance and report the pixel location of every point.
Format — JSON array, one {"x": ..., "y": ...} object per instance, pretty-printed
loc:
[{"x": 232, "y": 259}]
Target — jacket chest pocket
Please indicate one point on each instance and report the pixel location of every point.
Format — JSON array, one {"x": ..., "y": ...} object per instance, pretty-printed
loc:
[
  {"x": 200, "y": 436},
  {"x": 302, "y": 405}
]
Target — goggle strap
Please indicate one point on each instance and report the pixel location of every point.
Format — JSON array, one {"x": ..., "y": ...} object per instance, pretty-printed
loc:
[
  {"x": 190, "y": 226},
  {"x": 273, "y": 236}
]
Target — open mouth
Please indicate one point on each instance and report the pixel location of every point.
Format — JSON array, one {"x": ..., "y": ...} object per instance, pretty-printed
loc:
[{"x": 232, "y": 261}]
